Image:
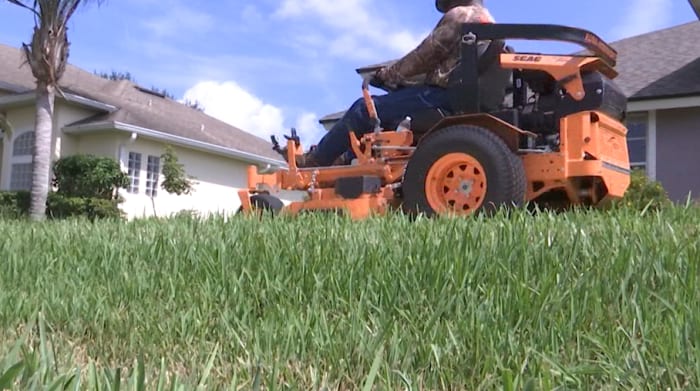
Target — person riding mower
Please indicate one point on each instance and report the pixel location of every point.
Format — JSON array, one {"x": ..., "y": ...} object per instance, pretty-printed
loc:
[
  {"x": 434, "y": 59},
  {"x": 517, "y": 128}
]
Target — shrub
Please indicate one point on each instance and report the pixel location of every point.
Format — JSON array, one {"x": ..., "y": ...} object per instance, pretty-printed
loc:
[
  {"x": 176, "y": 180},
  {"x": 89, "y": 176},
  {"x": 644, "y": 193},
  {"x": 14, "y": 204},
  {"x": 61, "y": 207},
  {"x": 86, "y": 187}
]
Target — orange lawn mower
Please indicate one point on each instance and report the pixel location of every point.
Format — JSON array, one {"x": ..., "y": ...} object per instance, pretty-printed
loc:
[{"x": 523, "y": 128}]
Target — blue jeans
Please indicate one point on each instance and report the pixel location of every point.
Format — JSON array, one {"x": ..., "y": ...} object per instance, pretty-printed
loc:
[{"x": 392, "y": 108}]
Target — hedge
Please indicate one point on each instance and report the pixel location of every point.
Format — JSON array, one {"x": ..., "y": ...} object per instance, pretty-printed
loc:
[{"x": 15, "y": 205}]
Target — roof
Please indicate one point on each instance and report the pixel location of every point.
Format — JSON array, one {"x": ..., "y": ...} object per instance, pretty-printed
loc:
[
  {"x": 331, "y": 117},
  {"x": 660, "y": 64},
  {"x": 124, "y": 103}
]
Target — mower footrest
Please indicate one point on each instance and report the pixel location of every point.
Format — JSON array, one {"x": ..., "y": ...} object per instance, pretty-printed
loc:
[{"x": 355, "y": 187}]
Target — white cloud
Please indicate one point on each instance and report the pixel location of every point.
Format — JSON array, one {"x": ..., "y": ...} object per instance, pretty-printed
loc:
[
  {"x": 231, "y": 103},
  {"x": 310, "y": 131},
  {"x": 642, "y": 16},
  {"x": 346, "y": 14},
  {"x": 178, "y": 20},
  {"x": 358, "y": 34},
  {"x": 405, "y": 41}
]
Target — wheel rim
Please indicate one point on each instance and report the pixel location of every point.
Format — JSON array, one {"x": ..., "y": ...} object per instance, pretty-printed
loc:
[{"x": 456, "y": 183}]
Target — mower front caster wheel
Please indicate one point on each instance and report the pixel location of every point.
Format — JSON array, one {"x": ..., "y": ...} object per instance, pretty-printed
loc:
[
  {"x": 264, "y": 203},
  {"x": 463, "y": 170}
]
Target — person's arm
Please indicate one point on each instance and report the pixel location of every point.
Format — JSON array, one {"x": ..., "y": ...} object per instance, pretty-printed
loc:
[{"x": 435, "y": 48}]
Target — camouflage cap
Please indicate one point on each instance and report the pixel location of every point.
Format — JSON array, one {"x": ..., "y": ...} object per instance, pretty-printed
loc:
[{"x": 446, "y": 5}]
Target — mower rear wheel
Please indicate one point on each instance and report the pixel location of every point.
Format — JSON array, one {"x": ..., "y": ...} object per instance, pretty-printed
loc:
[
  {"x": 462, "y": 170},
  {"x": 264, "y": 203}
]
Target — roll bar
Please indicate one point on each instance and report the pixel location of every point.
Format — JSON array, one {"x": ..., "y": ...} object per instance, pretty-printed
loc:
[{"x": 541, "y": 32}]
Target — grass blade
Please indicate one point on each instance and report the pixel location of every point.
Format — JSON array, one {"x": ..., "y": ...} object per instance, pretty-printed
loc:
[
  {"x": 369, "y": 382},
  {"x": 10, "y": 375}
]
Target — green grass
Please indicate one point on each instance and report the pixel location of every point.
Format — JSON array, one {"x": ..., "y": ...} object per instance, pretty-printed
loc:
[{"x": 580, "y": 301}]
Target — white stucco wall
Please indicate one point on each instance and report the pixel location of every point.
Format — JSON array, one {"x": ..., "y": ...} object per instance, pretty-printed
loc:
[
  {"x": 99, "y": 144},
  {"x": 66, "y": 114},
  {"x": 217, "y": 180}
]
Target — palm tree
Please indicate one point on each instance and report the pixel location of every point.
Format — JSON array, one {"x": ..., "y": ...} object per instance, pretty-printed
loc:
[{"x": 47, "y": 56}]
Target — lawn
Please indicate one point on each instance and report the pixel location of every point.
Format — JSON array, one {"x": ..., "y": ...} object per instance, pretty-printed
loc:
[{"x": 585, "y": 300}]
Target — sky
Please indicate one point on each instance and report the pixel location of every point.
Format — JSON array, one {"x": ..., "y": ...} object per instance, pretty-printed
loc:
[{"x": 268, "y": 65}]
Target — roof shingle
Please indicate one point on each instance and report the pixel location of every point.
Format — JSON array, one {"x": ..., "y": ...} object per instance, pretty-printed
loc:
[
  {"x": 136, "y": 107},
  {"x": 660, "y": 63}
]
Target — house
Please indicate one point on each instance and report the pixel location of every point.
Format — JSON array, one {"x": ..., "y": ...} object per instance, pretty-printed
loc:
[
  {"x": 122, "y": 120},
  {"x": 660, "y": 75}
]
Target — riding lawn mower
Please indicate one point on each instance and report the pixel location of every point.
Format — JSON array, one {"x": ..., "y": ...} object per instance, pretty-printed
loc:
[{"x": 523, "y": 128}]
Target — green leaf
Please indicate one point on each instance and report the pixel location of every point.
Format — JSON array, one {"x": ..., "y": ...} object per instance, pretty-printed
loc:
[
  {"x": 93, "y": 381},
  {"x": 175, "y": 179},
  {"x": 140, "y": 374},
  {"x": 369, "y": 382},
  {"x": 162, "y": 376},
  {"x": 208, "y": 368},
  {"x": 8, "y": 378}
]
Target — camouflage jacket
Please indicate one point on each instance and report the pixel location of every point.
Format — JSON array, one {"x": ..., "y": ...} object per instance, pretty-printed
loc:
[{"x": 438, "y": 55}]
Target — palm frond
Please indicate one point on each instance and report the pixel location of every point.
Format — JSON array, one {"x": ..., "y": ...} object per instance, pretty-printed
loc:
[
  {"x": 48, "y": 52},
  {"x": 21, "y": 4}
]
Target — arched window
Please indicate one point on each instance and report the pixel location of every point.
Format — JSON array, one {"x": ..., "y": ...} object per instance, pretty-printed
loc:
[
  {"x": 21, "y": 168},
  {"x": 23, "y": 144}
]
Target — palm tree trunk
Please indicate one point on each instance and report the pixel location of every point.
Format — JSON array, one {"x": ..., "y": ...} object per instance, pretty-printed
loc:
[{"x": 42, "y": 151}]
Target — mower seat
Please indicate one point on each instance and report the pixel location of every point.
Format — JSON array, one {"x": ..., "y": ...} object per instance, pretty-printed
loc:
[{"x": 494, "y": 83}]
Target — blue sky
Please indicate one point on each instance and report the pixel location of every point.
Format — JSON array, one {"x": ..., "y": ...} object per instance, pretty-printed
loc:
[{"x": 267, "y": 65}]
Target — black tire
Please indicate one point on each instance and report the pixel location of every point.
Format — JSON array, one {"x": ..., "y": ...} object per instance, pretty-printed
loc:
[
  {"x": 504, "y": 173},
  {"x": 264, "y": 203}
]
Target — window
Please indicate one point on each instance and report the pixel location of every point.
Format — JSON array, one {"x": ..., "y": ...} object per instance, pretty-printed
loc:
[
  {"x": 21, "y": 161},
  {"x": 21, "y": 177},
  {"x": 23, "y": 145},
  {"x": 134, "y": 172},
  {"x": 152, "y": 174},
  {"x": 637, "y": 130}
]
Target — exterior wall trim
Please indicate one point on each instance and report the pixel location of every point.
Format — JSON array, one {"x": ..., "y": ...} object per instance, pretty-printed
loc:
[
  {"x": 651, "y": 145},
  {"x": 663, "y": 104},
  {"x": 198, "y": 145},
  {"x": 650, "y": 164},
  {"x": 29, "y": 97}
]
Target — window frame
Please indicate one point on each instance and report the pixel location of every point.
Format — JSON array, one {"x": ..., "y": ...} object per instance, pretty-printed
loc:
[
  {"x": 134, "y": 173},
  {"x": 16, "y": 160},
  {"x": 641, "y": 118},
  {"x": 25, "y": 182},
  {"x": 152, "y": 175}
]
